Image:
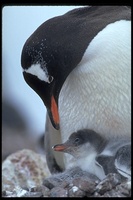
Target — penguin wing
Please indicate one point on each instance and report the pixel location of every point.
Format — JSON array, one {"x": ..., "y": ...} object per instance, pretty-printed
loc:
[{"x": 107, "y": 163}]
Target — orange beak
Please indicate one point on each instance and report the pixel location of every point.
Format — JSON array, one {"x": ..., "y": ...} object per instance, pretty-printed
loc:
[{"x": 54, "y": 112}]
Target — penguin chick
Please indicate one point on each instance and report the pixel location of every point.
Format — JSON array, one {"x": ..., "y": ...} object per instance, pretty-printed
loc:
[
  {"x": 123, "y": 161},
  {"x": 84, "y": 146},
  {"x": 118, "y": 162}
]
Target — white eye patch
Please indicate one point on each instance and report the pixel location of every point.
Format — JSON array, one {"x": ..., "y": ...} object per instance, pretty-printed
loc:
[{"x": 39, "y": 72}]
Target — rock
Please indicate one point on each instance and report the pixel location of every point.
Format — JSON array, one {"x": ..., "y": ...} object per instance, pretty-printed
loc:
[
  {"x": 114, "y": 185},
  {"x": 58, "y": 192},
  {"x": 45, "y": 191},
  {"x": 23, "y": 169},
  {"x": 83, "y": 186},
  {"x": 86, "y": 184},
  {"x": 110, "y": 181},
  {"x": 67, "y": 177},
  {"x": 25, "y": 174},
  {"x": 76, "y": 192}
]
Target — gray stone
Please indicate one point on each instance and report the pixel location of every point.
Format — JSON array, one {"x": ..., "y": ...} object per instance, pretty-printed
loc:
[
  {"x": 58, "y": 192},
  {"x": 76, "y": 192},
  {"x": 25, "y": 169}
]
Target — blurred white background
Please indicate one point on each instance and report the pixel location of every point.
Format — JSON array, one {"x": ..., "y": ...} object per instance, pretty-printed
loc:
[{"x": 18, "y": 23}]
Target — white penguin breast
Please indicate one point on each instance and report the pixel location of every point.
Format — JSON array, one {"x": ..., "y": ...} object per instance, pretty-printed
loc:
[{"x": 97, "y": 93}]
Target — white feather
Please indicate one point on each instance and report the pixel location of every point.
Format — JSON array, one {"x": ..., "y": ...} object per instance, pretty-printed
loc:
[{"x": 39, "y": 72}]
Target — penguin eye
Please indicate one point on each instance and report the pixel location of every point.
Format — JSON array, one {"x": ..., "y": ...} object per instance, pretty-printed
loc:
[
  {"x": 76, "y": 141},
  {"x": 50, "y": 79}
]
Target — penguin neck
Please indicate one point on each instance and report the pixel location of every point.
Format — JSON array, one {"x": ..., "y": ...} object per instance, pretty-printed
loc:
[
  {"x": 85, "y": 162},
  {"x": 95, "y": 92}
]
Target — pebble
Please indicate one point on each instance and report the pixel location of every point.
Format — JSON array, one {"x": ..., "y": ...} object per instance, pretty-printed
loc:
[
  {"x": 71, "y": 183},
  {"x": 58, "y": 192},
  {"x": 76, "y": 192}
]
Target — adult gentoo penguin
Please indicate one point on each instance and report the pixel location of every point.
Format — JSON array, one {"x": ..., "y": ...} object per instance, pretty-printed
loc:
[
  {"x": 93, "y": 153},
  {"x": 79, "y": 63}
]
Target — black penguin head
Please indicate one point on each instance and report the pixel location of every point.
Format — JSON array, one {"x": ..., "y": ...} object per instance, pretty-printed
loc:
[
  {"x": 48, "y": 56},
  {"x": 52, "y": 52},
  {"x": 41, "y": 68}
]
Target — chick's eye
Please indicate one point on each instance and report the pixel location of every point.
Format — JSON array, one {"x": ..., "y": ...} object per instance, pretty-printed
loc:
[{"x": 76, "y": 141}]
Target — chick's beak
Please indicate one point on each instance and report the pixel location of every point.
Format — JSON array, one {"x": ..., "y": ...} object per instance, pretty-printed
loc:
[{"x": 59, "y": 147}]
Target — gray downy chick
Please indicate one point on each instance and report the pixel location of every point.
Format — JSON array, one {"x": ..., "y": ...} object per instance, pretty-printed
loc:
[{"x": 84, "y": 146}]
